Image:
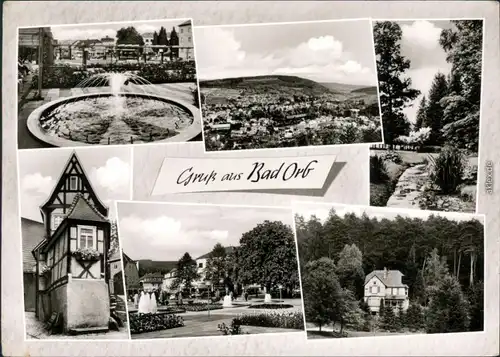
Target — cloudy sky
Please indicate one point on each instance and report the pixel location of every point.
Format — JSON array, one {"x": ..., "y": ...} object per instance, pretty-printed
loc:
[
  {"x": 321, "y": 212},
  {"x": 84, "y": 32},
  {"x": 166, "y": 231},
  {"x": 339, "y": 51},
  {"x": 420, "y": 44},
  {"x": 109, "y": 171}
]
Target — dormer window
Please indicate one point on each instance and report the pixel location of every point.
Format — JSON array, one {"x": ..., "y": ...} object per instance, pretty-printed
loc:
[
  {"x": 73, "y": 183},
  {"x": 87, "y": 237}
]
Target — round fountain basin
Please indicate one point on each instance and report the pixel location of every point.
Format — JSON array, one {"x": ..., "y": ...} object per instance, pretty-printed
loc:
[{"x": 111, "y": 119}]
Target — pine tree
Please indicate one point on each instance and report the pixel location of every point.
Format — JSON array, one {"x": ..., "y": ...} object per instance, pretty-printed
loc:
[
  {"x": 448, "y": 310},
  {"x": 434, "y": 111},
  {"x": 401, "y": 317},
  {"x": 420, "y": 120},
  {"x": 389, "y": 320},
  {"x": 395, "y": 91},
  {"x": 414, "y": 317}
]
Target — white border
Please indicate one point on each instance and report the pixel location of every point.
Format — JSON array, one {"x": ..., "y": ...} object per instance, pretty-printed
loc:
[
  {"x": 215, "y": 152},
  {"x": 221, "y": 337},
  {"x": 412, "y": 213}
]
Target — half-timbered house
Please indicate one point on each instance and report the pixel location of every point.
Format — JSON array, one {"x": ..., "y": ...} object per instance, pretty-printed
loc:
[{"x": 72, "y": 271}]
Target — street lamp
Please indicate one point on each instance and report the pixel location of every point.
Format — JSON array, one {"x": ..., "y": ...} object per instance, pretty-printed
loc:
[{"x": 161, "y": 55}]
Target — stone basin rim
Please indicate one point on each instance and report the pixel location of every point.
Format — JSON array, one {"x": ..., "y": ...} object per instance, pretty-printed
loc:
[{"x": 188, "y": 133}]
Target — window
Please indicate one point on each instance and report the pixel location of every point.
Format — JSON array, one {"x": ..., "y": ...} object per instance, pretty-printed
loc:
[
  {"x": 189, "y": 38},
  {"x": 87, "y": 237},
  {"x": 200, "y": 265},
  {"x": 182, "y": 30},
  {"x": 116, "y": 266},
  {"x": 375, "y": 289},
  {"x": 73, "y": 183},
  {"x": 56, "y": 220}
]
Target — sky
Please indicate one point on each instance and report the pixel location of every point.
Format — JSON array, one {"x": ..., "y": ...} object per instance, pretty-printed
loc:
[
  {"x": 338, "y": 51},
  {"x": 321, "y": 212},
  {"x": 420, "y": 44},
  {"x": 108, "y": 169},
  {"x": 84, "y": 32},
  {"x": 164, "y": 232}
]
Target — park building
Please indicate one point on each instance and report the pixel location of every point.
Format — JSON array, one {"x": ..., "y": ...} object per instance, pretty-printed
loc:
[
  {"x": 385, "y": 287},
  {"x": 186, "y": 47}
]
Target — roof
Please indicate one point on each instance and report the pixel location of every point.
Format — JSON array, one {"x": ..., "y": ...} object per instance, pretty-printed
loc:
[
  {"x": 127, "y": 259},
  {"x": 393, "y": 279},
  {"x": 146, "y": 265},
  {"x": 82, "y": 209},
  {"x": 229, "y": 250},
  {"x": 115, "y": 256},
  {"x": 65, "y": 167},
  {"x": 33, "y": 233},
  {"x": 158, "y": 276},
  {"x": 186, "y": 23},
  {"x": 148, "y": 34}
]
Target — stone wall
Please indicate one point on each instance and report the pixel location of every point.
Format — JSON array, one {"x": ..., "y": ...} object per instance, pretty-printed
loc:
[{"x": 88, "y": 303}]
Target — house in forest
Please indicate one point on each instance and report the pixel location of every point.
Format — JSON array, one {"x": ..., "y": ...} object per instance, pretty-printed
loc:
[
  {"x": 385, "y": 287},
  {"x": 70, "y": 261}
]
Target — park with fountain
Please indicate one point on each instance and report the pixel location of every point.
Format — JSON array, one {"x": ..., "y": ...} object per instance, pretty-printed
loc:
[{"x": 105, "y": 103}]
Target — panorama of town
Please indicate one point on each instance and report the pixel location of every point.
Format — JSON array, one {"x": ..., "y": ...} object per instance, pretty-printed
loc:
[{"x": 266, "y": 117}]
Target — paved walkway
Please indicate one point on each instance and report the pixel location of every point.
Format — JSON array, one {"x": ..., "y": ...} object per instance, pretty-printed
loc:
[
  {"x": 180, "y": 91},
  {"x": 35, "y": 330}
]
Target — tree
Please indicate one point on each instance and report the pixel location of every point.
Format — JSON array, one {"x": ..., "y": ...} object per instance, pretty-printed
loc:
[
  {"x": 475, "y": 295},
  {"x": 389, "y": 319},
  {"x": 434, "y": 112},
  {"x": 162, "y": 37},
  {"x": 448, "y": 310},
  {"x": 321, "y": 292},
  {"x": 267, "y": 255},
  {"x": 155, "y": 41},
  {"x": 174, "y": 41},
  {"x": 436, "y": 270},
  {"x": 350, "y": 269},
  {"x": 463, "y": 44},
  {"x": 414, "y": 317},
  {"x": 422, "y": 108},
  {"x": 395, "y": 91},
  {"x": 216, "y": 267},
  {"x": 129, "y": 36},
  {"x": 187, "y": 272}
]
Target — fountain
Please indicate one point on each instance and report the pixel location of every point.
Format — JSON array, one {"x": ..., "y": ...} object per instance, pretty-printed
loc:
[
  {"x": 128, "y": 112},
  {"x": 228, "y": 302},
  {"x": 267, "y": 298}
]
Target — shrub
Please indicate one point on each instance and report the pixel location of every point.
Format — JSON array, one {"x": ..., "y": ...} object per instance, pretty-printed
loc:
[
  {"x": 291, "y": 320},
  {"x": 271, "y": 306},
  {"x": 392, "y": 156},
  {"x": 140, "y": 323},
  {"x": 378, "y": 171},
  {"x": 447, "y": 169},
  {"x": 201, "y": 307},
  {"x": 234, "y": 329}
]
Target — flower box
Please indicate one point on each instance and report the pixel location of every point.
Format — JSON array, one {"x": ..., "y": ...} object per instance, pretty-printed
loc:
[{"x": 86, "y": 254}]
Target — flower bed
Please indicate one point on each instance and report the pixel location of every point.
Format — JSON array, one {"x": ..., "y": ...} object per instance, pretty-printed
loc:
[
  {"x": 66, "y": 76},
  {"x": 291, "y": 320},
  {"x": 140, "y": 323},
  {"x": 271, "y": 306},
  {"x": 201, "y": 307}
]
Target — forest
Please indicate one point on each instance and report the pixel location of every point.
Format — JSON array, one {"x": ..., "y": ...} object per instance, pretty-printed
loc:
[{"x": 441, "y": 261}]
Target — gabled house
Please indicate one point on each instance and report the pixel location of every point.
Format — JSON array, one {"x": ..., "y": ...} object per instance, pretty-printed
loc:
[
  {"x": 385, "y": 287},
  {"x": 151, "y": 281},
  {"x": 71, "y": 259},
  {"x": 131, "y": 270}
]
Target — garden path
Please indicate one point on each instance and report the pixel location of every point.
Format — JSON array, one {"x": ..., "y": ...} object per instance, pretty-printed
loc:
[{"x": 409, "y": 187}]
